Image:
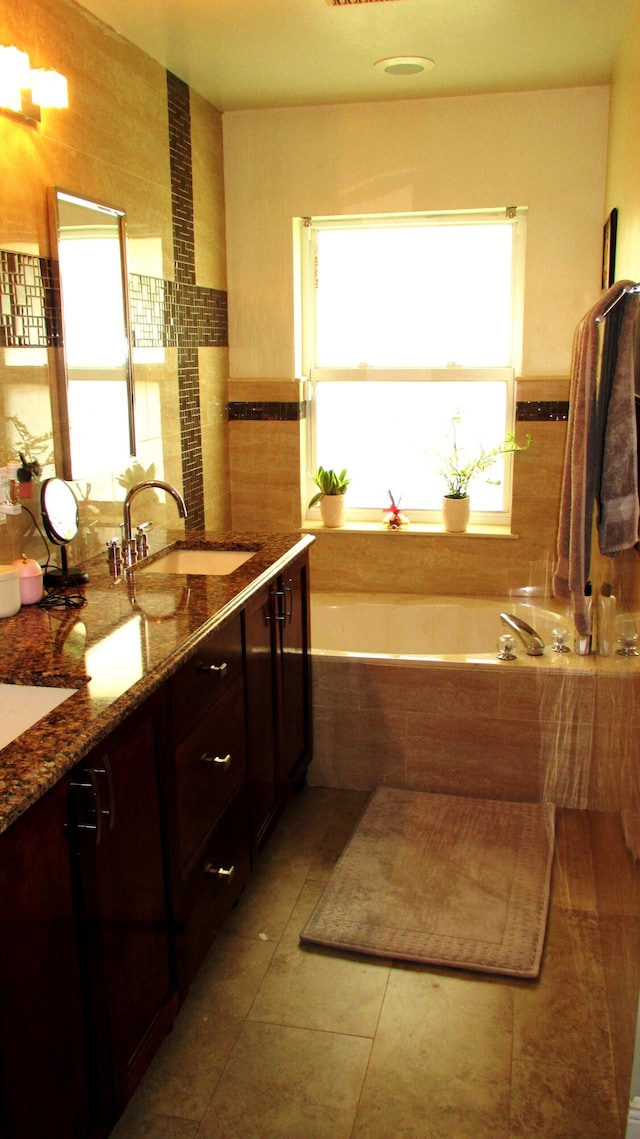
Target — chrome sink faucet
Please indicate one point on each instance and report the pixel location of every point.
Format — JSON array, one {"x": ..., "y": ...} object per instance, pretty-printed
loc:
[
  {"x": 532, "y": 641},
  {"x": 129, "y": 546}
]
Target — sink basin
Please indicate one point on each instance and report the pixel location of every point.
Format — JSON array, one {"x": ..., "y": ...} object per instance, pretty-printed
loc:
[
  {"x": 22, "y": 705},
  {"x": 214, "y": 562}
]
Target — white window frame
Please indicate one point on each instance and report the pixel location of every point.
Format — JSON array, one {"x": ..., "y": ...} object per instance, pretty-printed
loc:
[{"x": 305, "y": 274}]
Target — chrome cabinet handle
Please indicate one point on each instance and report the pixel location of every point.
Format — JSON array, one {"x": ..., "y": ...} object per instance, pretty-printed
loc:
[
  {"x": 215, "y": 668},
  {"x": 92, "y": 786},
  {"x": 226, "y": 873},
  {"x": 289, "y": 589},
  {"x": 216, "y": 760},
  {"x": 279, "y": 596},
  {"x": 108, "y": 812}
]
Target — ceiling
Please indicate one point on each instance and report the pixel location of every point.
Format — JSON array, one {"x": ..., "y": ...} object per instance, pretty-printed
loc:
[{"x": 242, "y": 54}]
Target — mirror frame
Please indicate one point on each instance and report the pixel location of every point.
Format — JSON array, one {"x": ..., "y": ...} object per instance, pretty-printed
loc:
[{"x": 64, "y": 464}]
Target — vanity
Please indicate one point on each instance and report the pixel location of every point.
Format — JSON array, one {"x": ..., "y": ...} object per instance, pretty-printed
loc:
[{"x": 133, "y": 813}]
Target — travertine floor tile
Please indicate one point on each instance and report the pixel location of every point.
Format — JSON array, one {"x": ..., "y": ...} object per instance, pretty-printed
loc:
[
  {"x": 320, "y": 989},
  {"x": 564, "y": 1013},
  {"x": 184, "y": 1073},
  {"x": 133, "y": 1126},
  {"x": 441, "y": 1061},
  {"x": 280, "y": 1042},
  {"x": 551, "y": 1101},
  {"x": 288, "y": 1083}
]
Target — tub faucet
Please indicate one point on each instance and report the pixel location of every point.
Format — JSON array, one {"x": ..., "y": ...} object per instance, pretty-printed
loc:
[
  {"x": 128, "y": 543},
  {"x": 532, "y": 642}
]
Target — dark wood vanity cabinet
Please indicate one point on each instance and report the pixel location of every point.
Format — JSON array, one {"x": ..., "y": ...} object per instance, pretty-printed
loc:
[
  {"x": 278, "y": 687},
  {"x": 211, "y": 817},
  {"x": 114, "y": 884},
  {"x": 47, "y": 1080},
  {"x": 126, "y": 918}
]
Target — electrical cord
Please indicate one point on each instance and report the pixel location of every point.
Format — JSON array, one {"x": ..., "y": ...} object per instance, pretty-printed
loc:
[{"x": 55, "y": 598}]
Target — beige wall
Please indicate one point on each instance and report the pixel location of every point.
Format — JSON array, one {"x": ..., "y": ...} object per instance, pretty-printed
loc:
[
  {"x": 112, "y": 144},
  {"x": 545, "y": 150}
]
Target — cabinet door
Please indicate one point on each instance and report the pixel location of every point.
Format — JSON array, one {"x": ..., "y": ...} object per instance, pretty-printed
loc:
[
  {"x": 45, "y": 1086},
  {"x": 263, "y": 773},
  {"x": 295, "y": 671},
  {"x": 127, "y": 896}
]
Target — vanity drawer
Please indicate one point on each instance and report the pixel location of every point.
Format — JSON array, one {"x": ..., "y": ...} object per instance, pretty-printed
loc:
[
  {"x": 215, "y": 882},
  {"x": 206, "y": 676},
  {"x": 210, "y": 766}
]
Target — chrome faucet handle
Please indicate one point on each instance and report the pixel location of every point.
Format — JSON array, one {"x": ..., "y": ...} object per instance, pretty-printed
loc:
[
  {"x": 560, "y": 638},
  {"x": 506, "y": 644},
  {"x": 627, "y": 642},
  {"x": 142, "y": 543}
]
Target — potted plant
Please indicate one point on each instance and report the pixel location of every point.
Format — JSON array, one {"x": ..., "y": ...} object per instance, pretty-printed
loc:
[
  {"x": 461, "y": 468},
  {"x": 332, "y": 488}
]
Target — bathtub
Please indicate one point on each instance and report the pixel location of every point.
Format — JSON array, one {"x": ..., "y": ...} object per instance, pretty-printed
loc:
[
  {"x": 408, "y": 691},
  {"x": 399, "y": 625}
]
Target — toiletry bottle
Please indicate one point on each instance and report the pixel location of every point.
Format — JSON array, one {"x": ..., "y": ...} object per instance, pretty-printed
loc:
[
  {"x": 14, "y": 491},
  {"x": 606, "y": 619},
  {"x": 583, "y": 644}
]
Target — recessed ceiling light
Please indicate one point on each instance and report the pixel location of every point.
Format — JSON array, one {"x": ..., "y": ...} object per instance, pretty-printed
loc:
[{"x": 405, "y": 64}]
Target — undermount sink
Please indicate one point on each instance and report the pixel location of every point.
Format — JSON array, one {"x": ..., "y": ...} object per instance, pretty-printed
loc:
[
  {"x": 213, "y": 562},
  {"x": 22, "y": 705}
]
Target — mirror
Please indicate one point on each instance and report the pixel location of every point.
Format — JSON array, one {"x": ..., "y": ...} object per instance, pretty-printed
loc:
[
  {"x": 60, "y": 517},
  {"x": 95, "y": 382}
]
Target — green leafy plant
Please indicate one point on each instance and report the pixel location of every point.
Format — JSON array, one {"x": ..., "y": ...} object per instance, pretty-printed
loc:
[
  {"x": 461, "y": 467},
  {"x": 34, "y": 451},
  {"x": 329, "y": 483}
]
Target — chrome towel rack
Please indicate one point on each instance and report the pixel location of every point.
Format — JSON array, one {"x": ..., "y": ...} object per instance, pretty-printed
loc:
[{"x": 623, "y": 292}]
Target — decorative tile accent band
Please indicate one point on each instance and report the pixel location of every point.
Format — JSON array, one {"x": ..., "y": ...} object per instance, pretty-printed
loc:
[
  {"x": 160, "y": 311},
  {"x": 183, "y": 293},
  {"x": 29, "y": 301},
  {"x": 165, "y": 314},
  {"x": 542, "y": 410},
  {"x": 267, "y": 410}
]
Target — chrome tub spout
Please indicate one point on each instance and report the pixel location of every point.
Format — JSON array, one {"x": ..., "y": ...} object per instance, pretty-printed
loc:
[{"x": 532, "y": 641}]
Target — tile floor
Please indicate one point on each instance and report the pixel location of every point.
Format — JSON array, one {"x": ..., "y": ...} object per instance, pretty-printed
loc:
[{"x": 277, "y": 1042}]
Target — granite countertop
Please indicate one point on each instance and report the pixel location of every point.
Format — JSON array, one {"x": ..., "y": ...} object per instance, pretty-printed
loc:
[{"x": 130, "y": 636}]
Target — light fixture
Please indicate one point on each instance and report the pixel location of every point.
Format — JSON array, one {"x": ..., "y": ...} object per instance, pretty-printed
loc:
[
  {"x": 24, "y": 90},
  {"x": 404, "y": 64}
]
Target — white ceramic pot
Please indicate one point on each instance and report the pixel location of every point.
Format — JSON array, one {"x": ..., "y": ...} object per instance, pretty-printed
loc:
[
  {"x": 455, "y": 514},
  {"x": 9, "y": 591},
  {"x": 332, "y": 507}
]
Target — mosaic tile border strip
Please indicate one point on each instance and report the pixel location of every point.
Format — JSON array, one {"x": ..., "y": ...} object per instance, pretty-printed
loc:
[
  {"x": 183, "y": 293},
  {"x": 29, "y": 301},
  {"x": 540, "y": 411},
  {"x": 267, "y": 411},
  {"x": 165, "y": 314}
]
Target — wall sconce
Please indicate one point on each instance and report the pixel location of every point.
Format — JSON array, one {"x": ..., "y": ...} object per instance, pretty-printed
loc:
[{"x": 24, "y": 90}]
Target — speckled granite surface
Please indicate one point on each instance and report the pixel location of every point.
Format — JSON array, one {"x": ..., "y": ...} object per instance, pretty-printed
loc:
[{"x": 131, "y": 635}]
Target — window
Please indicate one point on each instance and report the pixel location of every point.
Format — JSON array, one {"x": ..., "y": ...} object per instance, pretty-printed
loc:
[{"x": 409, "y": 322}]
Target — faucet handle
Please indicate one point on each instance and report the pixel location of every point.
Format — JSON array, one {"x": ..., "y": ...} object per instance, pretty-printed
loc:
[
  {"x": 506, "y": 644},
  {"x": 142, "y": 544},
  {"x": 560, "y": 637}
]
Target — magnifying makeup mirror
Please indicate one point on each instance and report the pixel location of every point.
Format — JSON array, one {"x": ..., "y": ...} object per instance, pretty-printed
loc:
[{"x": 60, "y": 519}]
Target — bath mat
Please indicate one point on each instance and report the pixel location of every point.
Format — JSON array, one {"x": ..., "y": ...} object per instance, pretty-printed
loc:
[{"x": 442, "y": 880}]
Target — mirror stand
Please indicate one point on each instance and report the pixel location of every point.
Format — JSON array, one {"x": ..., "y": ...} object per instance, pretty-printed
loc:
[{"x": 60, "y": 519}]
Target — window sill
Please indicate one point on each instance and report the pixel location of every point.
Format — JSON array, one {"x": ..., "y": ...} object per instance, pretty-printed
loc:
[{"x": 432, "y": 529}]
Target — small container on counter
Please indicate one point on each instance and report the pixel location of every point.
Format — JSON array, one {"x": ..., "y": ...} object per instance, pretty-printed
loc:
[
  {"x": 583, "y": 645},
  {"x": 9, "y": 591},
  {"x": 30, "y": 577}
]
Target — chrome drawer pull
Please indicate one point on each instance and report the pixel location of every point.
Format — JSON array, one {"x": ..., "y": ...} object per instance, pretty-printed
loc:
[
  {"x": 219, "y": 668},
  {"x": 216, "y": 760},
  {"x": 220, "y": 871}
]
